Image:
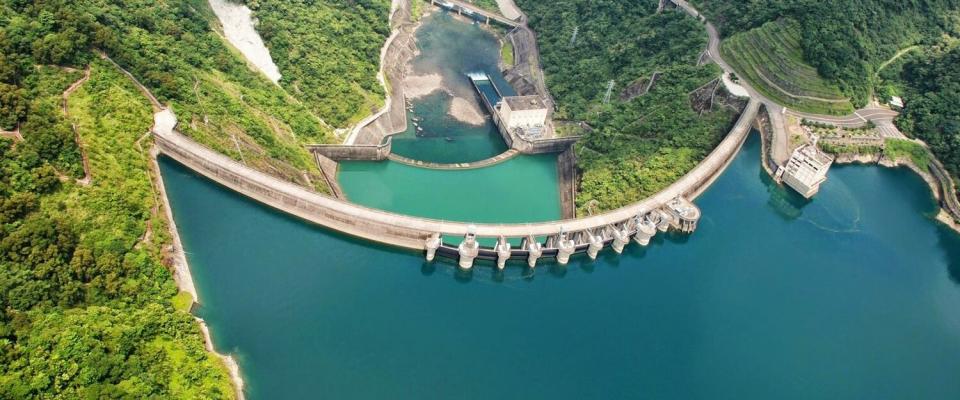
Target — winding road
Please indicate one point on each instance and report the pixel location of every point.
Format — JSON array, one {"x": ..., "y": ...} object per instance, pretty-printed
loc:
[{"x": 881, "y": 116}]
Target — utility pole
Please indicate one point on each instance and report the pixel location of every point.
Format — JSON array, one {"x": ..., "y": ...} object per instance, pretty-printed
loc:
[{"x": 606, "y": 97}]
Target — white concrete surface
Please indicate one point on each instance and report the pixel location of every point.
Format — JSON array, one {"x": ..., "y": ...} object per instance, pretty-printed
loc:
[{"x": 238, "y": 27}]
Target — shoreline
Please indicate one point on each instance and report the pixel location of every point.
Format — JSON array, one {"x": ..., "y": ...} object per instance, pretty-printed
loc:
[
  {"x": 943, "y": 216},
  {"x": 184, "y": 278}
]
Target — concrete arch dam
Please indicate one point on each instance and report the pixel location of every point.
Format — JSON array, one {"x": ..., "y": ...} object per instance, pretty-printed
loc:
[{"x": 666, "y": 209}]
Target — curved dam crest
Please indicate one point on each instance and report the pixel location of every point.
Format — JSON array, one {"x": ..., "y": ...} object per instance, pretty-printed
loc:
[
  {"x": 841, "y": 286},
  {"x": 412, "y": 232}
]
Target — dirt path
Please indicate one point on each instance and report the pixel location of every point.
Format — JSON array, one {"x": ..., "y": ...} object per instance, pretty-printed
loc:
[
  {"x": 895, "y": 58},
  {"x": 87, "y": 176},
  {"x": 14, "y": 134},
  {"x": 182, "y": 276}
]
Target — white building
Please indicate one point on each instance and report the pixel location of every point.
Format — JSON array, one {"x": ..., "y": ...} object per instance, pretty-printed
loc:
[
  {"x": 806, "y": 170},
  {"x": 523, "y": 112},
  {"x": 896, "y": 102},
  {"x": 684, "y": 214}
]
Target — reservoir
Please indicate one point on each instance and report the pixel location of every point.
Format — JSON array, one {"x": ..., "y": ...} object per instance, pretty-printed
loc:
[
  {"x": 521, "y": 189},
  {"x": 851, "y": 296},
  {"x": 449, "y": 49}
]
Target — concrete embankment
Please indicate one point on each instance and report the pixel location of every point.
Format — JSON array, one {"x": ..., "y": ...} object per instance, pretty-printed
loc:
[
  {"x": 497, "y": 159},
  {"x": 567, "y": 175},
  {"x": 411, "y": 232},
  {"x": 399, "y": 49}
]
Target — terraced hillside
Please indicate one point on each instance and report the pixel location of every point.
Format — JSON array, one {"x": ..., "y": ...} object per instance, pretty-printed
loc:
[{"x": 770, "y": 57}]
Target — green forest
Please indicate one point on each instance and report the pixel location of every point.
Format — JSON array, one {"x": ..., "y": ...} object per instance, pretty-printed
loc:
[
  {"x": 638, "y": 144},
  {"x": 328, "y": 51},
  {"x": 931, "y": 85},
  {"x": 89, "y": 306},
  {"x": 84, "y": 287},
  {"x": 845, "y": 40},
  {"x": 173, "y": 48}
]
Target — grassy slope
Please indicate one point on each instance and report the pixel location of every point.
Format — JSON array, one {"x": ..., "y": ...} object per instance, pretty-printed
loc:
[{"x": 771, "y": 59}]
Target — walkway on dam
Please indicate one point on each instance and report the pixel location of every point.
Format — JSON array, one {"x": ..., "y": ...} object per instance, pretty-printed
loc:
[
  {"x": 497, "y": 159},
  {"x": 411, "y": 232},
  {"x": 457, "y": 5},
  {"x": 414, "y": 232}
]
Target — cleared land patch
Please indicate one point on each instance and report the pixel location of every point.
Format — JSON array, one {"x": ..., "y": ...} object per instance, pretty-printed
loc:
[{"x": 771, "y": 59}]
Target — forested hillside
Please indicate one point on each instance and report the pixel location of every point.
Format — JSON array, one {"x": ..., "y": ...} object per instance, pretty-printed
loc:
[
  {"x": 845, "y": 40},
  {"x": 640, "y": 142},
  {"x": 172, "y": 48},
  {"x": 86, "y": 300},
  {"x": 88, "y": 308},
  {"x": 931, "y": 82},
  {"x": 328, "y": 52}
]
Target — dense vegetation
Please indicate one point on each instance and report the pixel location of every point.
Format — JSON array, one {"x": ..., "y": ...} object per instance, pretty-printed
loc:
[
  {"x": 85, "y": 296},
  {"x": 641, "y": 144},
  {"x": 328, "y": 51},
  {"x": 171, "y": 48},
  {"x": 907, "y": 150},
  {"x": 88, "y": 308},
  {"x": 845, "y": 40},
  {"x": 489, "y": 5},
  {"x": 931, "y": 83},
  {"x": 771, "y": 58}
]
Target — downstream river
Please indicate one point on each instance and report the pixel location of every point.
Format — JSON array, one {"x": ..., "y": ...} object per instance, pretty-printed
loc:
[
  {"x": 521, "y": 189},
  {"x": 851, "y": 296},
  {"x": 450, "y": 48}
]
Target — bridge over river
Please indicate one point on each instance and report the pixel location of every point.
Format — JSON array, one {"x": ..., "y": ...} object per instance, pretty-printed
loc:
[{"x": 475, "y": 12}]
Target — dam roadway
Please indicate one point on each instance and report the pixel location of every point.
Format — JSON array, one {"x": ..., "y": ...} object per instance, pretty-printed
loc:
[{"x": 415, "y": 233}]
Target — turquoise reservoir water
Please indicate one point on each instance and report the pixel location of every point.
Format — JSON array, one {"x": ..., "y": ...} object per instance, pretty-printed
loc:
[
  {"x": 451, "y": 48},
  {"x": 852, "y": 296},
  {"x": 521, "y": 189}
]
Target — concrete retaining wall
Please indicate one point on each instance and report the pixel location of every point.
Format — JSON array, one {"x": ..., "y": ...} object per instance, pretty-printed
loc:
[
  {"x": 412, "y": 232},
  {"x": 344, "y": 152}
]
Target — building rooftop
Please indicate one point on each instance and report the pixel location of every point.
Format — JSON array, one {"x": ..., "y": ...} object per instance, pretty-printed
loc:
[
  {"x": 813, "y": 155},
  {"x": 896, "y": 101},
  {"x": 518, "y": 103},
  {"x": 684, "y": 208}
]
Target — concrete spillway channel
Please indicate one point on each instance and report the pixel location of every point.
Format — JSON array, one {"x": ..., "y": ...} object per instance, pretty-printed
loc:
[{"x": 668, "y": 209}]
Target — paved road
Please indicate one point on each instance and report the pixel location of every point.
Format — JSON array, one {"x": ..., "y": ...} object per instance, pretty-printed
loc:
[
  {"x": 474, "y": 9},
  {"x": 882, "y": 117}
]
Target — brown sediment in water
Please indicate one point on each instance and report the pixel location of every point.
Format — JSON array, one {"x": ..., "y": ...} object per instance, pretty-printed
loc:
[
  {"x": 465, "y": 111},
  {"x": 417, "y": 86}
]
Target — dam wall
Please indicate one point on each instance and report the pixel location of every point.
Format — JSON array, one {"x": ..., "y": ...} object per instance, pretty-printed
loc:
[
  {"x": 355, "y": 152},
  {"x": 414, "y": 232}
]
